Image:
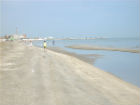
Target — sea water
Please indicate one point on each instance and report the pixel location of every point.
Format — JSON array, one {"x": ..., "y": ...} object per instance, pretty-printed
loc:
[{"x": 124, "y": 65}]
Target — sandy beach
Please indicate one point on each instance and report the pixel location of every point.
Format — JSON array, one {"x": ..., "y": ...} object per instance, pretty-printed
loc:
[
  {"x": 88, "y": 47},
  {"x": 30, "y": 76}
]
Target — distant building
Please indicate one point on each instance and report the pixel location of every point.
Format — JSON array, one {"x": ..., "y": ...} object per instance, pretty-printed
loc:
[
  {"x": 15, "y": 36},
  {"x": 2, "y": 38}
]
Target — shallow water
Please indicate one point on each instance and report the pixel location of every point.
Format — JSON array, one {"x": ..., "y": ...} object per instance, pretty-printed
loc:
[
  {"x": 110, "y": 42},
  {"x": 122, "y": 64}
]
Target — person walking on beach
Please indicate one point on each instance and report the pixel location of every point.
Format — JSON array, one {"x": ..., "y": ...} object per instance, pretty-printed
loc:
[
  {"x": 45, "y": 45},
  {"x": 53, "y": 42}
]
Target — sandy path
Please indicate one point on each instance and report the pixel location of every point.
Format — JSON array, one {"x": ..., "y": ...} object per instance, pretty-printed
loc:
[{"x": 30, "y": 76}]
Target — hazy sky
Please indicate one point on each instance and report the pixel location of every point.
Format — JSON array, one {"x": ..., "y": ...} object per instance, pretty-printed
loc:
[{"x": 68, "y": 18}]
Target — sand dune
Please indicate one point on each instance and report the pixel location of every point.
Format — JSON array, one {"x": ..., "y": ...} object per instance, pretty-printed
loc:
[{"x": 30, "y": 76}]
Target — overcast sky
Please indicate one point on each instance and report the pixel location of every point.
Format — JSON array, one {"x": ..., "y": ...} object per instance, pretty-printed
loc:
[{"x": 69, "y": 18}]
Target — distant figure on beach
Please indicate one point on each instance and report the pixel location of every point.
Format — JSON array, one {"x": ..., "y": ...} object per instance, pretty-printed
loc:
[
  {"x": 45, "y": 45},
  {"x": 53, "y": 42},
  {"x": 30, "y": 43}
]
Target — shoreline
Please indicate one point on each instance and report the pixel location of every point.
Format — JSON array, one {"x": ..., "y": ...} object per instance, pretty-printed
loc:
[
  {"x": 86, "y": 58},
  {"x": 89, "y": 58},
  {"x": 88, "y": 47}
]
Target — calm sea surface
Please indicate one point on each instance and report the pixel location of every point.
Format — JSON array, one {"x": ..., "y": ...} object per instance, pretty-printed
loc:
[{"x": 124, "y": 65}]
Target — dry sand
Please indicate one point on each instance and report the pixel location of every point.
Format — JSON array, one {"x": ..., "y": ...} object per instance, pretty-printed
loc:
[
  {"x": 88, "y": 47},
  {"x": 30, "y": 76}
]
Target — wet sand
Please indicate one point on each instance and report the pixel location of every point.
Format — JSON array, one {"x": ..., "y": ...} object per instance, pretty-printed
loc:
[
  {"x": 30, "y": 76},
  {"x": 89, "y": 58},
  {"x": 88, "y": 47}
]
